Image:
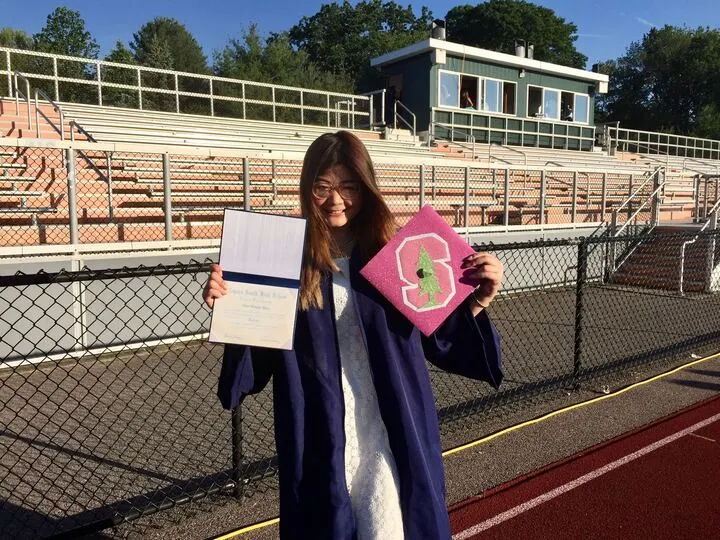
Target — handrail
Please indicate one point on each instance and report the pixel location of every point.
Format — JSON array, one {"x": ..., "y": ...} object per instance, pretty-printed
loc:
[
  {"x": 80, "y": 129},
  {"x": 468, "y": 136},
  {"x": 17, "y": 75},
  {"x": 56, "y": 108},
  {"x": 510, "y": 148},
  {"x": 310, "y": 100},
  {"x": 371, "y": 95},
  {"x": 632, "y": 195},
  {"x": 714, "y": 145},
  {"x": 712, "y": 218},
  {"x": 554, "y": 163},
  {"x": 396, "y": 116}
]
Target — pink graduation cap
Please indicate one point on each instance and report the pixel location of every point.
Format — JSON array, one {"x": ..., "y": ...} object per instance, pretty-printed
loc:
[{"x": 419, "y": 270}]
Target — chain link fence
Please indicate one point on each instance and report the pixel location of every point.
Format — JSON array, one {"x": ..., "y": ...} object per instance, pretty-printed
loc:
[
  {"x": 108, "y": 409},
  {"x": 88, "y": 195}
]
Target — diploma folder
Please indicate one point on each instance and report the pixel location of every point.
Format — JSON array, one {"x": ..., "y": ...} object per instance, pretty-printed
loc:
[
  {"x": 261, "y": 259},
  {"x": 419, "y": 270}
]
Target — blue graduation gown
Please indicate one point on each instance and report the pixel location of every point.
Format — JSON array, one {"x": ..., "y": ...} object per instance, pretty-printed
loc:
[{"x": 309, "y": 407}]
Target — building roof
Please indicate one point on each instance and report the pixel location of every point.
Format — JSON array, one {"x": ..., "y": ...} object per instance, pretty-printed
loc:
[{"x": 475, "y": 53}]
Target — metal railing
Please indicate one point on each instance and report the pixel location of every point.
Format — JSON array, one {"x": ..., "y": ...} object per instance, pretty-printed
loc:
[
  {"x": 658, "y": 183},
  {"x": 381, "y": 95},
  {"x": 518, "y": 131},
  {"x": 711, "y": 222},
  {"x": 509, "y": 149},
  {"x": 38, "y": 112},
  {"x": 398, "y": 116},
  {"x": 205, "y": 94},
  {"x": 662, "y": 143},
  {"x": 19, "y": 94},
  {"x": 469, "y": 139},
  {"x": 121, "y": 192}
]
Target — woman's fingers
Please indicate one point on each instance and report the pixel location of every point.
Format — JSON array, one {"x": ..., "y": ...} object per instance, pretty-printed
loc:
[{"x": 215, "y": 286}]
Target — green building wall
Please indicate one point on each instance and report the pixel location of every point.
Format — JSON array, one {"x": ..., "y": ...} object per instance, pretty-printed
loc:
[{"x": 421, "y": 79}]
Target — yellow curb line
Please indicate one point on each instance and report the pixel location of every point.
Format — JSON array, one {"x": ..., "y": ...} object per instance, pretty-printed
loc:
[{"x": 497, "y": 434}]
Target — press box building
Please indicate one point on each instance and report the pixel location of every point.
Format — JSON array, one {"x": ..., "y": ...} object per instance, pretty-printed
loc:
[{"x": 459, "y": 92}]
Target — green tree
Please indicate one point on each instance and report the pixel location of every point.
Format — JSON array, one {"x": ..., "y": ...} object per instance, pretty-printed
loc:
[
  {"x": 496, "y": 24},
  {"x": 669, "y": 81},
  {"x": 158, "y": 56},
  {"x": 18, "y": 39},
  {"x": 428, "y": 280},
  {"x": 166, "y": 43},
  {"x": 65, "y": 33},
  {"x": 253, "y": 58},
  {"x": 185, "y": 51},
  {"x": 15, "y": 39},
  {"x": 120, "y": 97},
  {"x": 341, "y": 38}
]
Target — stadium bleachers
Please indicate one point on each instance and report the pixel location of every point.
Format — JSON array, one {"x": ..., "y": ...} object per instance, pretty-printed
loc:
[{"x": 121, "y": 194}]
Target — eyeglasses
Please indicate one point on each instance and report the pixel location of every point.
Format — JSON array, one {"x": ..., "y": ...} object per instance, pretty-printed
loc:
[{"x": 348, "y": 190}]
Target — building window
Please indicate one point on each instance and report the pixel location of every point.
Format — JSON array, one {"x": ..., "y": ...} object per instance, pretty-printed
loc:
[
  {"x": 449, "y": 89},
  {"x": 508, "y": 99},
  {"x": 472, "y": 92},
  {"x": 551, "y": 104},
  {"x": 535, "y": 102},
  {"x": 491, "y": 102},
  {"x": 582, "y": 108},
  {"x": 469, "y": 92},
  {"x": 558, "y": 105}
]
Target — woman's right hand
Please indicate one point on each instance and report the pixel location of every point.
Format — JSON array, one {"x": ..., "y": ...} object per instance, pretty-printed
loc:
[{"x": 215, "y": 286}]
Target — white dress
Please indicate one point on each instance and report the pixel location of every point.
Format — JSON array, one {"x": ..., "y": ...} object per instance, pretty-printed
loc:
[{"x": 370, "y": 469}]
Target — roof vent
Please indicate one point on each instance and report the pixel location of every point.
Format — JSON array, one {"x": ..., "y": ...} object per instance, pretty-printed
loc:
[
  {"x": 438, "y": 29},
  {"x": 520, "y": 48}
]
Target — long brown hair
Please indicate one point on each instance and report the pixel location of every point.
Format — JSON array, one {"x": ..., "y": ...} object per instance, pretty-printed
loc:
[{"x": 372, "y": 227}]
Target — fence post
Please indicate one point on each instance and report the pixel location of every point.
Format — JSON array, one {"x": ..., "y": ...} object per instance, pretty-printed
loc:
[
  {"x": 466, "y": 216},
  {"x": 246, "y": 183},
  {"x": 506, "y": 208},
  {"x": 422, "y": 184},
  {"x": 603, "y": 201},
  {"x": 167, "y": 200},
  {"x": 72, "y": 195},
  {"x": 711, "y": 251},
  {"x": 696, "y": 197},
  {"x": 574, "y": 196},
  {"x": 237, "y": 454},
  {"x": 582, "y": 257},
  {"x": 543, "y": 190}
]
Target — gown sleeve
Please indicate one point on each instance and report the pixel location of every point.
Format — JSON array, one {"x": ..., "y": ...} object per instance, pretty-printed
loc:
[
  {"x": 245, "y": 370},
  {"x": 467, "y": 346}
]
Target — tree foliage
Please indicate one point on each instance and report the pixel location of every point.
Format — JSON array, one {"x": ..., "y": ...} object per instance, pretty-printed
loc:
[
  {"x": 120, "y": 97},
  {"x": 15, "y": 39},
  {"x": 669, "y": 81},
  {"x": 253, "y": 58},
  {"x": 496, "y": 24},
  {"x": 341, "y": 38},
  {"x": 64, "y": 33},
  {"x": 164, "y": 39}
]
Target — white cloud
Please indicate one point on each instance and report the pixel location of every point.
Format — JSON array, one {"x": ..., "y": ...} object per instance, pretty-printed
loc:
[{"x": 645, "y": 22}]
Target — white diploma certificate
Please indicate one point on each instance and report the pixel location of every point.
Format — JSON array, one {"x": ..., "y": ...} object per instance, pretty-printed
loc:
[{"x": 261, "y": 258}]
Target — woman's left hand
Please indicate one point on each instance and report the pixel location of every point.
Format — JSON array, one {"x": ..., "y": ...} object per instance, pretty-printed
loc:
[{"x": 488, "y": 270}]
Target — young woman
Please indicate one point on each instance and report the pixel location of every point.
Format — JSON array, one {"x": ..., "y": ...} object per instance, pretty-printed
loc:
[{"x": 356, "y": 427}]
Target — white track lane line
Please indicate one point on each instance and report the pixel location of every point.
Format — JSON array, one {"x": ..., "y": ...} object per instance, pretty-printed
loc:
[{"x": 532, "y": 503}]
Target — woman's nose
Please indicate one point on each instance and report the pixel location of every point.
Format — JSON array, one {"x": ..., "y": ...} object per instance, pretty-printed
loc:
[{"x": 335, "y": 197}]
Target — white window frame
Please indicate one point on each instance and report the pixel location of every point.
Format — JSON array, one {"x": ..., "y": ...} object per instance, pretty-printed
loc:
[
  {"x": 561, "y": 92},
  {"x": 439, "y": 88},
  {"x": 481, "y": 92}
]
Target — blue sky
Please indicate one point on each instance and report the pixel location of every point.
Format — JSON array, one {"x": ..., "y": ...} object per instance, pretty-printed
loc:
[{"x": 605, "y": 28}]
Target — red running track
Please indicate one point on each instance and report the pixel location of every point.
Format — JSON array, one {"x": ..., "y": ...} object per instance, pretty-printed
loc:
[{"x": 661, "y": 481}]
